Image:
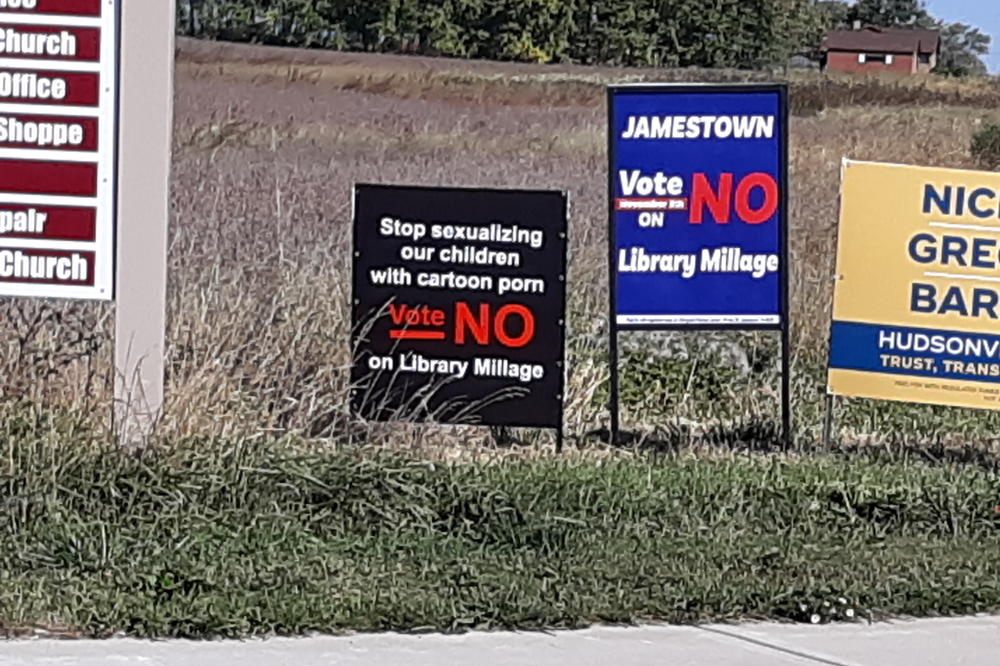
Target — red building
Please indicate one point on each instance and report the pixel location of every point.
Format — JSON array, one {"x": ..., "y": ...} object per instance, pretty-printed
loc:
[{"x": 872, "y": 49}]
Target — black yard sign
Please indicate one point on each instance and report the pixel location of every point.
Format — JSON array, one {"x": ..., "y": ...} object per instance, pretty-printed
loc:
[{"x": 459, "y": 305}]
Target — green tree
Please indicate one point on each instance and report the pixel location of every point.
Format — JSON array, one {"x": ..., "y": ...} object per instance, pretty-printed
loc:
[
  {"x": 962, "y": 48},
  {"x": 891, "y": 13},
  {"x": 617, "y": 33},
  {"x": 531, "y": 30},
  {"x": 705, "y": 33},
  {"x": 833, "y": 14}
]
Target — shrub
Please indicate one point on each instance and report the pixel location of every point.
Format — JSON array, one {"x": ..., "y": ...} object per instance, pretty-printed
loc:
[{"x": 986, "y": 146}]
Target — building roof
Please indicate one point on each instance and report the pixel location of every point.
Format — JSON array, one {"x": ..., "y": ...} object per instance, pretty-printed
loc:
[{"x": 883, "y": 40}]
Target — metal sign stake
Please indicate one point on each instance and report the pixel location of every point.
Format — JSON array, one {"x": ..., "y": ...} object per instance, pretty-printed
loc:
[{"x": 828, "y": 423}]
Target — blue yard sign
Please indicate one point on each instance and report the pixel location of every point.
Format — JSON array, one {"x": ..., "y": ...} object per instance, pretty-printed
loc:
[{"x": 697, "y": 188}]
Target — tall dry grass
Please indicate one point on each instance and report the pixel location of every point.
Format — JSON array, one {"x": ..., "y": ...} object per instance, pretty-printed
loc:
[{"x": 260, "y": 269}]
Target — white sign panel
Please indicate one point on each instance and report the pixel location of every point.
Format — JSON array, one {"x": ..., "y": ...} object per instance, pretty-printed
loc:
[{"x": 58, "y": 128}]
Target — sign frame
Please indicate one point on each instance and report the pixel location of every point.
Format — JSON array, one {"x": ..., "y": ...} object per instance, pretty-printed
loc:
[
  {"x": 106, "y": 113},
  {"x": 562, "y": 236},
  {"x": 783, "y": 326}
]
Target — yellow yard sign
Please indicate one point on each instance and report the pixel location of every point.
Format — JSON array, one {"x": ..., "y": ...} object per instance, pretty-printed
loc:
[{"x": 916, "y": 311}]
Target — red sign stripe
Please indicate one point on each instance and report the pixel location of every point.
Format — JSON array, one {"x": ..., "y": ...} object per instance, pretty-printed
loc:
[
  {"x": 68, "y": 7},
  {"x": 57, "y": 178},
  {"x": 49, "y": 222},
  {"x": 640, "y": 204},
  {"x": 47, "y": 132},
  {"x": 408, "y": 334},
  {"x": 32, "y": 87},
  {"x": 87, "y": 40},
  {"x": 37, "y": 267}
]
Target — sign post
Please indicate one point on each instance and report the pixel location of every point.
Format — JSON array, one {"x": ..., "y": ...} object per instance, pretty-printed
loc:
[
  {"x": 58, "y": 115},
  {"x": 916, "y": 300},
  {"x": 698, "y": 181},
  {"x": 147, "y": 67},
  {"x": 459, "y": 306}
]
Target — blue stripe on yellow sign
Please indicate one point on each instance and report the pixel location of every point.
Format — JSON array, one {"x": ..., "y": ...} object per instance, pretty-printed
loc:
[{"x": 922, "y": 352}]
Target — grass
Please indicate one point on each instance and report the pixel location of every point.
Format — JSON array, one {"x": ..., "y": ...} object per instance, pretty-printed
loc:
[
  {"x": 238, "y": 538},
  {"x": 513, "y": 84}
]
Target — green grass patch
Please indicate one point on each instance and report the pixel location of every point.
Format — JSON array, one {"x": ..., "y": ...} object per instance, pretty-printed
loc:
[{"x": 224, "y": 539}]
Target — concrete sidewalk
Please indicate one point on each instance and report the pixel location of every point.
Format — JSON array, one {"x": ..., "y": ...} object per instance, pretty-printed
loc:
[{"x": 946, "y": 642}]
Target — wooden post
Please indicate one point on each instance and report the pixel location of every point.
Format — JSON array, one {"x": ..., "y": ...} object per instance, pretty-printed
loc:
[{"x": 146, "y": 66}]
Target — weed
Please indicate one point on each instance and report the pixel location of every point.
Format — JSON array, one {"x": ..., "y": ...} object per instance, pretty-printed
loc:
[{"x": 236, "y": 537}]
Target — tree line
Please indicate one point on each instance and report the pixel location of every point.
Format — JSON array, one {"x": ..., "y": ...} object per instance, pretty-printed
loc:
[{"x": 745, "y": 34}]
